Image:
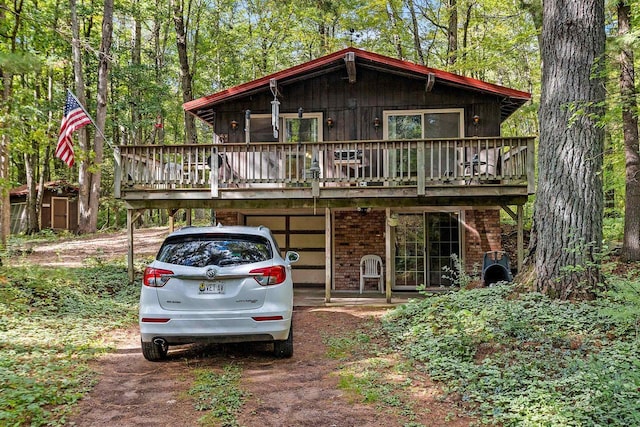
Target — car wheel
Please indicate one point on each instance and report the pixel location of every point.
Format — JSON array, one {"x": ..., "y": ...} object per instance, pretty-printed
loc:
[
  {"x": 284, "y": 348},
  {"x": 154, "y": 352}
]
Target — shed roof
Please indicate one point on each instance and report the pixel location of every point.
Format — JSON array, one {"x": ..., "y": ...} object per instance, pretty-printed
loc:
[
  {"x": 511, "y": 99},
  {"x": 62, "y": 185}
]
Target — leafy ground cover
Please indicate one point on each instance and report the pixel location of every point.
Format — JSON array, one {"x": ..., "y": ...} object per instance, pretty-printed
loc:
[
  {"x": 507, "y": 356},
  {"x": 522, "y": 359},
  {"x": 51, "y": 323}
]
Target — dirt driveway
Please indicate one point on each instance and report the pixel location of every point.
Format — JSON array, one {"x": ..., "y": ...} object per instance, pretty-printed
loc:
[{"x": 313, "y": 388}]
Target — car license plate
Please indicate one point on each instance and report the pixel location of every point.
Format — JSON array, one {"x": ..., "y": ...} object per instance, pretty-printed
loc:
[{"x": 211, "y": 288}]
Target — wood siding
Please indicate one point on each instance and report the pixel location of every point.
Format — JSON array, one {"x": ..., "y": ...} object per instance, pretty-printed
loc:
[{"x": 354, "y": 106}]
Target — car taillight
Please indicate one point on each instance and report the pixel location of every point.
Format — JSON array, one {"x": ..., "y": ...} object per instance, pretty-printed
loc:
[
  {"x": 270, "y": 275},
  {"x": 156, "y": 277}
]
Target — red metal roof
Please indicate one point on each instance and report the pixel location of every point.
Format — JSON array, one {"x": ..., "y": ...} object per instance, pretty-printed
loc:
[{"x": 337, "y": 58}]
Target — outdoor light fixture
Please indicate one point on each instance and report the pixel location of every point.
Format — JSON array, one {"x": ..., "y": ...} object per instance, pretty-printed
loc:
[
  {"x": 376, "y": 123},
  {"x": 234, "y": 125},
  {"x": 476, "y": 120},
  {"x": 330, "y": 123},
  {"x": 300, "y": 112}
]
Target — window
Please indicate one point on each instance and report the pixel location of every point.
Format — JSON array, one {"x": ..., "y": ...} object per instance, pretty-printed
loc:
[
  {"x": 291, "y": 128},
  {"x": 423, "y": 124}
]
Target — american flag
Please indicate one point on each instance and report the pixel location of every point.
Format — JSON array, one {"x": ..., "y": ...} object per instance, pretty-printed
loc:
[{"x": 74, "y": 118}]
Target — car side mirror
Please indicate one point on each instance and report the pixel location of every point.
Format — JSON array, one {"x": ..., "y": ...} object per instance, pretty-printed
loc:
[{"x": 292, "y": 257}]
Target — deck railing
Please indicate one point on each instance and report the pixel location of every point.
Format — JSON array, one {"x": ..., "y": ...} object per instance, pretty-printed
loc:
[{"x": 404, "y": 163}]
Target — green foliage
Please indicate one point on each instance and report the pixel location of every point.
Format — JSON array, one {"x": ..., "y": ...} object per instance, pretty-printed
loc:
[
  {"x": 371, "y": 374},
  {"x": 341, "y": 348},
  {"x": 526, "y": 359},
  {"x": 51, "y": 321},
  {"x": 457, "y": 273},
  {"x": 613, "y": 229},
  {"x": 219, "y": 394}
]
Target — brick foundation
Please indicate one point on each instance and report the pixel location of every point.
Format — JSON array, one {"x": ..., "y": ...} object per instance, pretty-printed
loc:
[
  {"x": 482, "y": 234},
  {"x": 227, "y": 218},
  {"x": 356, "y": 235}
]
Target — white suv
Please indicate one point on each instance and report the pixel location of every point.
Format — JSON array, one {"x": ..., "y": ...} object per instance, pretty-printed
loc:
[{"x": 217, "y": 284}]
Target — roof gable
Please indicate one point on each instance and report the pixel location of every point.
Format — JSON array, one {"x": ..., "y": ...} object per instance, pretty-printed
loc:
[{"x": 511, "y": 99}]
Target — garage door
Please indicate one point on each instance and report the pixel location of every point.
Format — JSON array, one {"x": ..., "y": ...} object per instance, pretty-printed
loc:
[{"x": 303, "y": 234}]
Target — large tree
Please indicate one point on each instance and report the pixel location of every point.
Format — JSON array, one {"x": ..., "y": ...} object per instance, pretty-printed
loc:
[
  {"x": 631, "y": 244},
  {"x": 569, "y": 202},
  {"x": 186, "y": 74},
  {"x": 90, "y": 174}
]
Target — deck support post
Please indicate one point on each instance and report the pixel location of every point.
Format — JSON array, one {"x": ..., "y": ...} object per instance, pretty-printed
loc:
[
  {"x": 520, "y": 243},
  {"x": 130, "y": 271},
  {"x": 132, "y": 217},
  {"x": 172, "y": 220},
  {"x": 518, "y": 217}
]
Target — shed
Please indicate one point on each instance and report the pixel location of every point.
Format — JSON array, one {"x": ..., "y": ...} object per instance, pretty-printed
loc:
[{"x": 59, "y": 207}]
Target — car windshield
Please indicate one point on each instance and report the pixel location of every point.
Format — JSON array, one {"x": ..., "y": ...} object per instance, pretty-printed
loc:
[{"x": 214, "y": 249}]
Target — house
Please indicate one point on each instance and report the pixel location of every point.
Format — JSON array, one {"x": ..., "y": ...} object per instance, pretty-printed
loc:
[
  {"x": 59, "y": 209},
  {"x": 348, "y": 155}
]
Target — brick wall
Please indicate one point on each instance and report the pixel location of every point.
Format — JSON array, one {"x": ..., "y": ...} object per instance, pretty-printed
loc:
[
  {"x": 227, "y": 218},
  {"x": 482, "y": 234},
  {"x": 356, "y": 235}
]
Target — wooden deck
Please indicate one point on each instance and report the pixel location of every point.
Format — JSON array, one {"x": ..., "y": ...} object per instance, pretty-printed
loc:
[{"x": 379, "y": 173}]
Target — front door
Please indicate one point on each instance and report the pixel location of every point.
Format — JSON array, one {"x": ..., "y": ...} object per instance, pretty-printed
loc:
[
  {"x": 60, "y": 213},
  {"x": 424, "y": 245}
]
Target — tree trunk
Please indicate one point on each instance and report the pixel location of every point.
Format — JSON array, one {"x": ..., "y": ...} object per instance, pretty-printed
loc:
[
  {"x": 452, "y": 33},
  {"x": 90, "y": 174},
  {"x": 10, "y": 32},
  {"x": 465, "y": 31},
  {"x": 158, "y": 48},
  {"x": 417, "y": 45},
  {"x": 631, "y": 244},
  {"x": 101, "y": 113},
  {"x": 397, "y": 25},
  {"x": 5, "y": 200},
  {"x": 136, "y": 61},
  {"x": 84, "y": 176},
  {"x": 569, "y": 198},
  {"x": 185, "y": 73},
  {"x": 30, "y": 160}
]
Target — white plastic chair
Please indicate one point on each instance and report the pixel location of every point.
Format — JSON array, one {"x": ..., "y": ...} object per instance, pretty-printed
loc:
[{"x": 371, "y": 268}]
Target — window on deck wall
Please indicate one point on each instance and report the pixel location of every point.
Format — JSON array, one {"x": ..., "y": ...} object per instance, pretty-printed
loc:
[
  {"x": 440, "y": 159},
  {"x": 295, "y": 163}
]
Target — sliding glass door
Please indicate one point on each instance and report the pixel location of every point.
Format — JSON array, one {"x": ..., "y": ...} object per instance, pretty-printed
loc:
[{"x": 424, "y": 245}]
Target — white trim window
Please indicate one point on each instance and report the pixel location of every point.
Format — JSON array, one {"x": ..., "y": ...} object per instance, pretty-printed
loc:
[
  {"x": 422, "y": 124},
  {"x": 440, "y": 160},
  {"x": 297, "y": 161}
]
